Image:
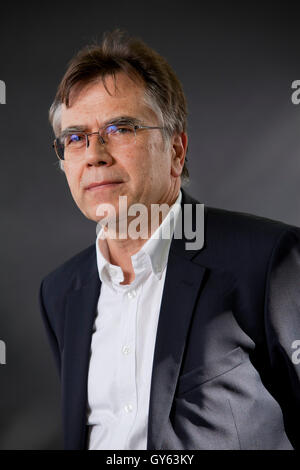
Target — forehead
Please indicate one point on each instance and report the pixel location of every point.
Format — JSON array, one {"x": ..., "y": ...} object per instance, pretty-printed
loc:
[{"x": 93, "y": 105}]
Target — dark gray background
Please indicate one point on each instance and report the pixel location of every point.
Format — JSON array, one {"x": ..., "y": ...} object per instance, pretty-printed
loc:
[{"x": 236, "y": 62}]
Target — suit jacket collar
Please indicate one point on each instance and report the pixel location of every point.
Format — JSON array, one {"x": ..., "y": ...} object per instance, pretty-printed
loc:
[{"x": 182, "y": 283}]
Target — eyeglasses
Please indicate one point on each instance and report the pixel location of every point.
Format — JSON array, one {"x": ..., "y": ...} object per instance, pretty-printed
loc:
[{"x": 70, "y": 146}]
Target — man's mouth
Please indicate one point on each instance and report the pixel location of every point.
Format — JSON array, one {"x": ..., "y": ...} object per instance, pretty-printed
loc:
[{"x": 102, "y": 185}]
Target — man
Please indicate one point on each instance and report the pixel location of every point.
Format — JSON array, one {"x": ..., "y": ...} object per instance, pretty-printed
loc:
[{"x": 159, "y": 346}]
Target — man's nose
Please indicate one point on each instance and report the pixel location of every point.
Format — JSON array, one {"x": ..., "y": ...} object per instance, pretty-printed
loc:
[{"x": 96, "y": 152}]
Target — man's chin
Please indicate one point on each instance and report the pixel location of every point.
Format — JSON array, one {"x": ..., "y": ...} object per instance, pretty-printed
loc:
[{"x": 106, "y": 209}]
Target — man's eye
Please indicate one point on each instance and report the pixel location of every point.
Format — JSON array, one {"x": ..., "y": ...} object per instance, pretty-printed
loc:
[
  {"x": 74, "y": 139},
  {"x": 119, "y": 129}
]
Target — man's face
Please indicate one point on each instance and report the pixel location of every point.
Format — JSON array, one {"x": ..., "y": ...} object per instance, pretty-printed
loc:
[{"x": 145, "y": 169}]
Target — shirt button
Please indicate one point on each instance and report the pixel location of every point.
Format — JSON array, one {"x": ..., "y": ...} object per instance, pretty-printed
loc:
[
  {"x": 125, "y": 350},
  {"x": 131, "y": 294},
  {"x": 128, "y": 408}
]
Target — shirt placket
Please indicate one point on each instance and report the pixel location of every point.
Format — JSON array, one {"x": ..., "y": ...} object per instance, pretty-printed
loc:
[{"x": 127, "y": 363}]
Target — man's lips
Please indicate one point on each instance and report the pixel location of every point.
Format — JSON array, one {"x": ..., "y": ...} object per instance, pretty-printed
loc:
[{"x": 102, "y": 185}]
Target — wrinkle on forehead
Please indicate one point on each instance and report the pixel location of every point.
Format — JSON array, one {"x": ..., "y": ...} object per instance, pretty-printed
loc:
[
  {"x": 126, "y": 99},
  {"x": 110, "y": 84}
]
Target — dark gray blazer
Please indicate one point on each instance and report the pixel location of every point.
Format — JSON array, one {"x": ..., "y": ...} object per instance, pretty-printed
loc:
[{"x": 223, "y": 375}]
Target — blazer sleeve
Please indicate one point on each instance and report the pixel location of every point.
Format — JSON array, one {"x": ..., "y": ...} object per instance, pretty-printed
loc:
[
  {"x": 49, "y": 330},
  {"x": 282, "y": 326}
]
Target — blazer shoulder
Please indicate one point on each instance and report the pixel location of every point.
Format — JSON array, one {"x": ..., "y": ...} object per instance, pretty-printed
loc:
[
  {"x": 238, "y": 239},
  {"x": 220, "y": 223},
  {"x": 65, "y": 276},
  {"x": 245, "y": 224}
]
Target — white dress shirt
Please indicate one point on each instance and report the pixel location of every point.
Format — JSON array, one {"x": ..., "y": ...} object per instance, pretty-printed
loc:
[{"x": 123, "y": 342}]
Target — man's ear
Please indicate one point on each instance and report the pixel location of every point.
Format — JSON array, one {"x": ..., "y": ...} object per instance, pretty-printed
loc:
[
  {"x": 61, "y": 165},
  {"x": 179, "y": 144}
]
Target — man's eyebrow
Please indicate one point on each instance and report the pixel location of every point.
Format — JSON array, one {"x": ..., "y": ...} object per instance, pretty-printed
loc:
[
  {"x": 118, "y": 119},
  {"x": 70, "y": 129},
  {"x": 123, "y": 120}
]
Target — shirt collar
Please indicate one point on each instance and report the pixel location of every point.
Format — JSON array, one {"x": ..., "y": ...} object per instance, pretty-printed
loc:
[{"x": 156, "y": 249}]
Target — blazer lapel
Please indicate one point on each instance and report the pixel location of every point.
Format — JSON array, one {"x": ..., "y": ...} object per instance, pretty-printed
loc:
[
  {"x": 182, "y": 284},
  {"x": 80, "y": 316}
]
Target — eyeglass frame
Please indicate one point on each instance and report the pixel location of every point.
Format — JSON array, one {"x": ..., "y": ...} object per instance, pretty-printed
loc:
[{"x": 87, "y": 134}]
